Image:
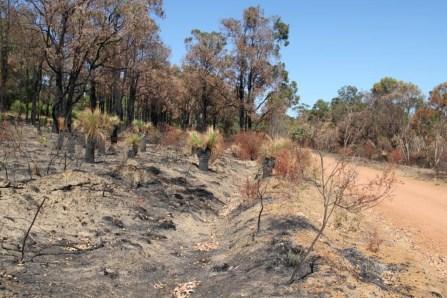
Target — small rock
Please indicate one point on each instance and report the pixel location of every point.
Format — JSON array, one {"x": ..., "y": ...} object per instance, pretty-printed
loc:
[
  {"x": 221, "y": 268},
  {"x": 110, "y": 273}
]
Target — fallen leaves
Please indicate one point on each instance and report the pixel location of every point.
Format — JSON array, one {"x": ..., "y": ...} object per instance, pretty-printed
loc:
[
  {"x": 185, "y": 290},
  {"x": 206, "y": 246}
]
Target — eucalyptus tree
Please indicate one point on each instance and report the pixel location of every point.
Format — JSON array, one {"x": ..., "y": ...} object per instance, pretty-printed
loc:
[
  {"x": 255, "y": 43},
  {"x": 5, "y": 47},
  {"x": 438, "y": 98},
  {"x": 77, "y": 35},
  {"x": 205, "y": 64}
]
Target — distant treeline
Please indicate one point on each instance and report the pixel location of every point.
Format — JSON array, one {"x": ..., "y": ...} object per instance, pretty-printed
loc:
[{"x": 393, "y": 121}]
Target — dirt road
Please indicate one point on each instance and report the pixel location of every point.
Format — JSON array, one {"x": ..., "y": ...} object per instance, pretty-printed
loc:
[{"x": 419, "y": 207}]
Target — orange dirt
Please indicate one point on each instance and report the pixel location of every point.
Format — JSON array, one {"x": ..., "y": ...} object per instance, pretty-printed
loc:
[{"x": 417, "y": 207}]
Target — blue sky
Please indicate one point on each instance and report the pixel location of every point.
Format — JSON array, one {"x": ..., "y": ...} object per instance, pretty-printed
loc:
[{"x": 335, "y": 42}]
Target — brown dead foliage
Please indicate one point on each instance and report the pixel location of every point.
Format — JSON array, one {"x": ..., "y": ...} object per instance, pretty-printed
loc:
[
  {"x": 247, "y": 145},
  {"x": 374, "y": 242},
  {"x": 291, "y": 163},
  {"x": 174, "y": 137},
  {"x": 249, "y": 189}
]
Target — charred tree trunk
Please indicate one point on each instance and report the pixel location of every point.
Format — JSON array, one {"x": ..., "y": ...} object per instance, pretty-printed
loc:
[
  {"x": 114, "y": 136},
  {"x": 4, "y": 54},
  {"x": 203, "y": 117},
  {"x": 131, "y": 100},
  {"x": 90, "y": 150},
  {"x": 116, "y": 96},
  {"x": 240, "y": 92},
  {"x": 27, "y": 110},
  {"x": 155, "y": 116},
  {"x": 93, "y": 98},
  {"x": 3, "y": 78},
  {"x": 204, "y": 157},
  {"x": 267, "y": 166},
  {"x": 36, "y": 88}
]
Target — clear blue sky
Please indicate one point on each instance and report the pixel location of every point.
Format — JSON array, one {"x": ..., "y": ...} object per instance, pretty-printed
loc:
[{"x": 335, "y": 42}]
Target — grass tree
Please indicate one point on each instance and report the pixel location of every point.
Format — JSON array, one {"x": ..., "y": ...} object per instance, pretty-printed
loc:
[
  {"x": 207, "y": 146},
  {"x": 143, "y": 129},
  {"x": 110, "y": 126},
  {"x": 95, "y": 126},
  {"x": 269, "y": 150},
  {"x": 133, "y": 140}
]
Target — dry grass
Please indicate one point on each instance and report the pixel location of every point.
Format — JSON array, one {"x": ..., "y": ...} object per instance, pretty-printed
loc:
[
  {"x": 271, "y": 147},
  {"x": 5, "y": 132},
  {"x": 247, "y": 145},
  {"x": 174, "y": 137},
  {"x": 249, "y": 189},
  {"x": 346, "y": 151},
  {"x": 395, "y": 156},
  {"x": 292, "y": 163},
  {"x": 368, "y": 149},
  {"x": 154, "y": 136},
  {"x": 374, "y": 242}
]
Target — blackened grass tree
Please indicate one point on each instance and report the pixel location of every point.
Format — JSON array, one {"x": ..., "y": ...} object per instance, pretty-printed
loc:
[
  {"x": 207, "y": 146},
  {"x": 95, "y": 126},
  {"x": 143, "y": 129},
  {"x": 133, "y": 141},
  {"x": 269, "y": 151}
]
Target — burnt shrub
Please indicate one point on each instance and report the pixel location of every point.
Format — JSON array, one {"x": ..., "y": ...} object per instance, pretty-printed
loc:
[{"x": 247, "y": 145}]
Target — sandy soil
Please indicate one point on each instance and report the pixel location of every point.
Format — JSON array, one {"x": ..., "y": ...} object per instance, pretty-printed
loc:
[
  {"x": 417, "y": 206},
  {"x": 421, "y": 208},
  {"x": 156, "y": 224},
  {"x": 417, "y": 210}
]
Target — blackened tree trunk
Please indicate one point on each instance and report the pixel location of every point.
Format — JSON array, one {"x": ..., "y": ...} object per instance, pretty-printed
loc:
[
  {"x": 4, "y": 54},
  {"x": 47, "y": 110},
  {"x": 90, "y": 150},
  {"x": 114, "y": 136},
  {"x": 93, "y": 98},
  {"x": 267, "y": 166},
  {"x": 36, "y": 88},
  {"x": 240, "y": 92},
  {"x": 26, "y": 111},
  {"x": 155, "y": 116},
  {"x": 133, "y": 151},
  {"x": 34, "y": 99},
  {"x": 204, "y": 157},
  {"x": 184, "y": 122},
  {"x": 102, "y": 104},
  {"x": 203, "y": 120},
  {"x": 131, "y": 99},
  {"x": 117, "y": 100}
]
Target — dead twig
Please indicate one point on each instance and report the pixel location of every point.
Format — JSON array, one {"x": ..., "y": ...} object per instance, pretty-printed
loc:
[
  {"x": 340, "y": 188},
  {"x": 30, "y": 227}
]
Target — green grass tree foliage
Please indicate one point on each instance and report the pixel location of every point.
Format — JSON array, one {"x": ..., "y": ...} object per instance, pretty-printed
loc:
[{"x": 207, "y": 146}]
